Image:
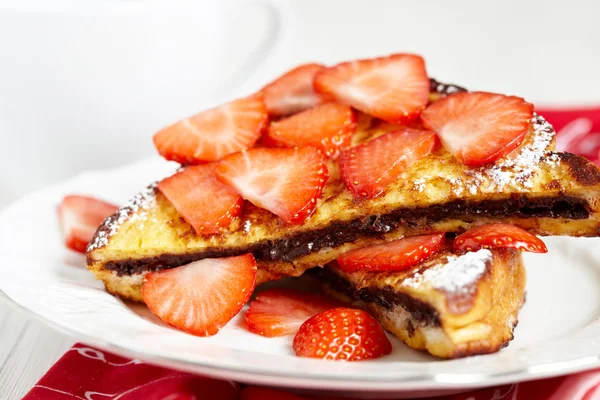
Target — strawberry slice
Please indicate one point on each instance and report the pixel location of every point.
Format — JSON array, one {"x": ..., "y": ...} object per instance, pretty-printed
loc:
[
  {"x": 499, "y": 235},
  {"x": 479, "y": 128},
  {"x": 201, "y": 297},
  {"x": 293, "y": 91},
  {"x": 215, "y": 133},
  {"x": 280, "y": 312},
  {"x": 193, "y": 191},
  {"x": 79, "y": 217},
  {"x": 328, "y": 127},
  {"x": 287, "y": 182},
  {"x": 394, "y": 88},
  {"x": 342, "y": 334},
  {"x": 368, "y": 169},
  {"x": 393, "y": 256}
]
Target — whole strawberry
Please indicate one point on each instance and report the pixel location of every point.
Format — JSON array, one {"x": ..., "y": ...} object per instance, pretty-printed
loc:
[{"x": 344, "y": 334}]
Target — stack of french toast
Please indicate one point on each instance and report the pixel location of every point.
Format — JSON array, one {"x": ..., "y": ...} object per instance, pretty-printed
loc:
[{"x": 381, "y": 187}]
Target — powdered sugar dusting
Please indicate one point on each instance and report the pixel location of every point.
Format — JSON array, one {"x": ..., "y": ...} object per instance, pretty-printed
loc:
[
  {"x": 457, "y": 185},
  {"x": 134, "y": 209},
  {"x": 457, "y": 276},
  {"x": 521, "y": 167},
  {"x": 517, "y": 168},
  {"x": 419, "y": 184}
]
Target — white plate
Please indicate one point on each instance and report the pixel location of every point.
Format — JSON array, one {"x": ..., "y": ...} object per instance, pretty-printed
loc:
[{"x": 558, "y": 332}]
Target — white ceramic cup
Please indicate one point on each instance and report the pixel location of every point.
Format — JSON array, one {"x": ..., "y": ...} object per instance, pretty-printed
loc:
[{"x": 85, "y": 84}]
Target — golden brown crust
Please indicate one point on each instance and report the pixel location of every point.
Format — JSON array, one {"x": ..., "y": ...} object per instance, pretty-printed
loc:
[
  {"x": 446, "y": 325},
  {"x": 582, "y": 170},
  {"x": 130, "y": 286}
]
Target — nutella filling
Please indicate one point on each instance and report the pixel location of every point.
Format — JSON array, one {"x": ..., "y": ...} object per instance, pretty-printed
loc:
[
  {"x": 337, "y": 233},
  {"x": 385, "y": 297},
  {"x": 444, "y": 88}
]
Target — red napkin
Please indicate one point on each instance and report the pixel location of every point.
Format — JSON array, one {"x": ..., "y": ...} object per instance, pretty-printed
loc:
[
  {"x": 578, "y": 130},
  {"x": 89, "y": 374}
]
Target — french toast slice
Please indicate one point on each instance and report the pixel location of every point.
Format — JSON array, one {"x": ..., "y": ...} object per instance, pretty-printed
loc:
[
  {"x": 534, "y": 187},
  {"x": 449, "y": 305}
]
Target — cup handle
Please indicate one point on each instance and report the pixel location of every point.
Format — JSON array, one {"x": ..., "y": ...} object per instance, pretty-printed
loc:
[{"x": 278, "y": 13}]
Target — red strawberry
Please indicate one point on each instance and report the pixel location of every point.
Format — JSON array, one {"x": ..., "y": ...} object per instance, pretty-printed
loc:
[
  {"x": 201, "y": 297},
  {"x": 328, "y": 127},
  {"x": 479, "y": 128},
  {"x": 394, "y": 88},
  {"x": 293, "y": 91},
  {"x": 393, "y": 256},
  {"x": 259, "y": 393},
  {"x": 287, "y": 182},
  {"x": 79, "y": 217},
  {"x": 342, "y": 334},
  {"x": 368, "y": 169},
  {"x": 279, "y": 312},
  {"x": 498, "y": 235},
  {"x": 193, "y": 192},
  {"x": 215, "y": 133}
]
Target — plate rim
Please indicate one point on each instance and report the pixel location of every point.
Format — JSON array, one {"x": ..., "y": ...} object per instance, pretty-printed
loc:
[{"x": 464, "y": 381}]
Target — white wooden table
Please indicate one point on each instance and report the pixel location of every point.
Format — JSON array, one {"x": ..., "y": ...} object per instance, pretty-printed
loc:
[{"x": 27, "y": 349}]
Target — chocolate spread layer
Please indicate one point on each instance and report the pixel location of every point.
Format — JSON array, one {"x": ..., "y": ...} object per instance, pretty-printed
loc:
[
  {"x": 444, "y": 88},
  {"x": 302, "y": 243},
  {"x": 385, "y": 296}
]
